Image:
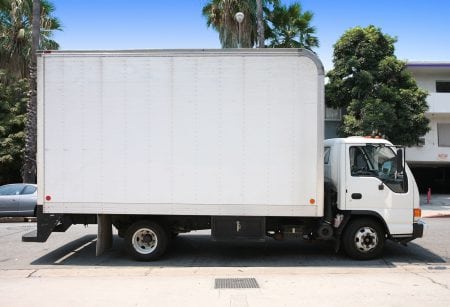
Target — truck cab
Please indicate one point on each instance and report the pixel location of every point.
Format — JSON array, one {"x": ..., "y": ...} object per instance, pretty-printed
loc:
[{"x": 376, "y": 192}]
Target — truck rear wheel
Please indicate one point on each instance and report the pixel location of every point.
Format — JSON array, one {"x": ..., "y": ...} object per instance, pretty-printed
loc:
[
  {"x": 146, "y": 240},
  {"x": 363, "y": 239}
]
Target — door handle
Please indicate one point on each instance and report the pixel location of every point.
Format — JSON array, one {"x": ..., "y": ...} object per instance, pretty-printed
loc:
[{"x": 356, "y": 196}]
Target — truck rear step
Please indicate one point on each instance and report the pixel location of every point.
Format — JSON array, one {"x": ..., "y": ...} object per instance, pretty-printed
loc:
[{"x": 46, "y": 223}]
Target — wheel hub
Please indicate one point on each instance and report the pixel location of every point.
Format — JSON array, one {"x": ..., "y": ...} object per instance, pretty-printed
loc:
[
  {"x": 366, "y": 239},
  {"x": 147, "y": 238},
  {"x": 144, "y": 241}
]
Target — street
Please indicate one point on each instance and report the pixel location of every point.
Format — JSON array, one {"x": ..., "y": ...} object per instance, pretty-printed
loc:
[{"x": 65, "y": 271}]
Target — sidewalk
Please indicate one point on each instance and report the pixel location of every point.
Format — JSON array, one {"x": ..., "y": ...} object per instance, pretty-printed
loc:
[{"x": 439, "y": 205}]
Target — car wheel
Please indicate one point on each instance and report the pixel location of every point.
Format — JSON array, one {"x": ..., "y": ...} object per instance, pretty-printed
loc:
[
  {"x": 146, "y": 240},
  {"x": 363, "y": 239}
]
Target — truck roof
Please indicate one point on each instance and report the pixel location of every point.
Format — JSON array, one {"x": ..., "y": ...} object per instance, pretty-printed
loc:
[
  {"x": 191, "y": 52},
  {"x": 356, "y": 140}
]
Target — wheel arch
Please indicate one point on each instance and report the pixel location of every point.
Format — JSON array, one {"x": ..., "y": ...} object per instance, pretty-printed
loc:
[{"x": 354, "y": 214}]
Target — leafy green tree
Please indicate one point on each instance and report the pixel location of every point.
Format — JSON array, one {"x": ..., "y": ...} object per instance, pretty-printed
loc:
[
  {"x": 13, "y": 102},
  {"x": 373, "y": 86},
  {"x": 289, "y": 27}
]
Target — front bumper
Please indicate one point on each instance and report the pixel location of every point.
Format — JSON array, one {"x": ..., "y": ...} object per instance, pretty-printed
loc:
[{"x": 419, "y": 230}]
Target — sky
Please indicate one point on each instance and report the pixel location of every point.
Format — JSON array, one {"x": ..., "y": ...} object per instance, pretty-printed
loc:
[{"x": 422, "y": 27}]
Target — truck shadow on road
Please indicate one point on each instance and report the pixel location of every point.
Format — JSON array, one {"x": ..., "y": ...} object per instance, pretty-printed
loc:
[{"x": 199, "y": 251}]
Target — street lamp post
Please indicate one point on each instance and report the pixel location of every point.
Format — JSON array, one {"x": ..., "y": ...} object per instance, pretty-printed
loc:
[{"x": 239, "y": 18}]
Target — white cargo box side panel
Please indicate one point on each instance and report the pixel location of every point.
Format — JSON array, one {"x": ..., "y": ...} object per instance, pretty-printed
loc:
[{"x": 202, "y": 133}]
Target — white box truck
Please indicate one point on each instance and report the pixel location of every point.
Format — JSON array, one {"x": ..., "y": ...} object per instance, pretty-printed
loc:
[{"x": 161, "y": 142}]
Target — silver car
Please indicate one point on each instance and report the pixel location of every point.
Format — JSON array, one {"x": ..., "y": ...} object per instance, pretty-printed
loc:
[{"x": 19, "y": 199}]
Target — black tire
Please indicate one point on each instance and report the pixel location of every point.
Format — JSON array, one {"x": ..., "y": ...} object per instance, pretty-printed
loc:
[
  {"x": 146, "y": 240},
  {"x": 363, "y": 239}
]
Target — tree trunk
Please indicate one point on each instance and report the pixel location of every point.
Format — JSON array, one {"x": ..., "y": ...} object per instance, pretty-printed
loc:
[
  {"x": 29, "y": 167},
  {"x": 260, "y": 23}
]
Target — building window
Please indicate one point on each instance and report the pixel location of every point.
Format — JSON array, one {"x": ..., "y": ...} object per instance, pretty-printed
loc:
[
  {"x": 443, "y": 86},
  {"x": 443, "y": 135},
  {"x": 332, "y": 114}
]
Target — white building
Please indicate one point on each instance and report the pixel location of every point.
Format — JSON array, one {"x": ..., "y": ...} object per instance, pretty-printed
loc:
[
  {"x": 435, "y": 78},
  {"x": 430, "y": 162}
]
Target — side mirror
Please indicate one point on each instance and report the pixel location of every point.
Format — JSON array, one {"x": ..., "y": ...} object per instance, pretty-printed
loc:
[{"x": 399, "y": 160}]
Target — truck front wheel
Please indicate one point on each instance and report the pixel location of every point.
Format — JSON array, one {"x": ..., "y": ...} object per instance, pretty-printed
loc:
[
  {"x": 146, "y": 240},
  {"x": 363, "y": 239}
]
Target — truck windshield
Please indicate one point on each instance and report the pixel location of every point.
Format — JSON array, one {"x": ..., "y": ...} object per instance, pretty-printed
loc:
[{"x": 378, "y": 161}]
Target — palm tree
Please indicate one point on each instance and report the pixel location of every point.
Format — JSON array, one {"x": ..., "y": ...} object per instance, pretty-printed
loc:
[
  {"x": 26, "y": 26},
  {"x": 29, "y": 170},
  {"x": 260, "y": 23},
  {"x": 220, "y": 14},
  {"x": 290, "y": 27},
  {"x": 16, "y": 31}
]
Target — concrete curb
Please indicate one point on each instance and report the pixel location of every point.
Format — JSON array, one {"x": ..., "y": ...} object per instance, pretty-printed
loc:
[
  {"x": 437, "y": 206},
  {"x": 435, "y": 214},
  {"x": 17, "y": 219}
]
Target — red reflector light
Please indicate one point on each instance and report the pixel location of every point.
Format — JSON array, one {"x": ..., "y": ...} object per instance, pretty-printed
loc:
[{"x": 48, "y": 198}]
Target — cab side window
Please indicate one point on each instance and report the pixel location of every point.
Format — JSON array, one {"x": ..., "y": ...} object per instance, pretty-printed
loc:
[
  {"x": 29, "y": 189},
  {"x": 326, "y": 155},
  {"x": 379, "y": 162},
  {"x": 359, "y": 164}
]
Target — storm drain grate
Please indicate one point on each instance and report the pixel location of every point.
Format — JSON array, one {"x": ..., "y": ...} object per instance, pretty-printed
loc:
[{"x": 235, "y": 283}]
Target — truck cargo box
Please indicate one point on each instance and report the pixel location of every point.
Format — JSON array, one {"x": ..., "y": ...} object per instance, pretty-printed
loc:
[{"x": 181, "y": 132}]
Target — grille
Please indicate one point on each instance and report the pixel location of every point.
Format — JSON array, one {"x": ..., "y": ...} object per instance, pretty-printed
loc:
[{"x": 235, "y": 283}]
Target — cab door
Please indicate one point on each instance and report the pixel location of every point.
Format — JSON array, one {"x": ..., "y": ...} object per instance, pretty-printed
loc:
[{"x": 374, "y": 184}]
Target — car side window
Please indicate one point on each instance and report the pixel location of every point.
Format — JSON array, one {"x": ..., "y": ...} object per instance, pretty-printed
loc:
[
  {"x": 11, "y": 189},
  {"x": 29, "y": 189}
]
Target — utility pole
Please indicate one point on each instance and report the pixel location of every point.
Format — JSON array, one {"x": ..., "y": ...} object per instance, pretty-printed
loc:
[
  {"x": 29, "y": 167},
  {"x": 260, "y": 23}
]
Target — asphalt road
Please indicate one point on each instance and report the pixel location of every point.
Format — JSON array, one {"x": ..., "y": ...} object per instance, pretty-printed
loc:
[
  {"x": 76, "y": 247},
  {"x": 66, "y": 270}
]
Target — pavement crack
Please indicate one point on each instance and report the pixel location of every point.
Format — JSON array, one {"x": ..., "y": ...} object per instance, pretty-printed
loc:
[
  {"x": 31, "y": 274},
  {"x": 432, "y": 280},
  {"x": 435, "y": 282}
]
